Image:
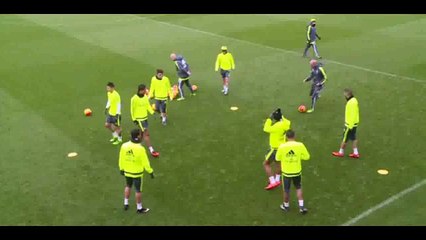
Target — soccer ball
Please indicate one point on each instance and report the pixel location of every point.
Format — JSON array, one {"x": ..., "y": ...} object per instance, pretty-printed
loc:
[
  {"x": 194, "y": 87},
  {"x": 87, "y": 112},
  {"x": 302, "y": 108}
]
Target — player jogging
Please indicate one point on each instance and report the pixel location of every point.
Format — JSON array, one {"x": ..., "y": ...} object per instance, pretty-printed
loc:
[
  {"x": 276, "y": 125},
  {"x": 133, "y": 162},
  {"x": 160, "y": 90},
  {"x": 318, "y": 77},
  {"x": 351, "y": 124},
  {"x": 291, "y": 154},
  {"x": 225, "y": 62},
  {"x": 113, "y": 112},
  {"x": 139, "y": 109},
  {"x": 183, "y": 73},
  {"x": 311, "y": 37}
]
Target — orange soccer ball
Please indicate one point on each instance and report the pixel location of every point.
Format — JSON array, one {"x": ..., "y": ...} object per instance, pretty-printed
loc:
[
  {"x": 87, "y": 112},
  {"x": 194, "y": 87},
  {"x": 302, "y": 108}
]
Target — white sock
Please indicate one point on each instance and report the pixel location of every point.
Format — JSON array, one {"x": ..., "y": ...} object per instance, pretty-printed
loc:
[
  {"x": 114, "y": 134},
  {"x": 163, "y": 119},
  {"x": 225, "y": 88},
  {"x": 272, "y": 180},
  {"x": 151, "y": 149},
  {"x": 341, "y": 151},
  {"x": 277, "y": 177},
  {"x": 356, "y": 151},
  {"x": 119, "y": 137},
  {"x": 300, "y": 203},
  {"x": 126, "y": 201},
  {"x": 139, "y": 206},
  {"x": 286, "y": 204}
]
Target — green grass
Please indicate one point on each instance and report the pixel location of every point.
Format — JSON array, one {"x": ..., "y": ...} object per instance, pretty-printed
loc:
[{"x": 210, "y": 170}]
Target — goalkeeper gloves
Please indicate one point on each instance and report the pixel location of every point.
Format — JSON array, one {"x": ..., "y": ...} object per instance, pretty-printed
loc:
[
  {"x": 122, "y": 172},
  {"x": 152, "y": 175}
]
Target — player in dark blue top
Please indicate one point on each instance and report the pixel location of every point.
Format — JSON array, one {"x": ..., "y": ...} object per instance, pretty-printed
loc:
[
  {"x": 311, "y": 37},
  {"x": 183, "y": 73},
  {"x": 318, "y": 78}
]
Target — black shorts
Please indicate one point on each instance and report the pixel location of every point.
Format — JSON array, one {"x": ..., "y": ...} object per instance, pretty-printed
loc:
[
  {"x": 297, "y": 182},
  {"x": 142, "y": 124},
  {"x": 114, "y": 120},
  {"x": 161, "y": 106},
  {"x": 270, "y": 155},
  {"x": 225, "y": 73},
  {"x": 136, "y": 181},
  {"x": 349, "y": 134}
]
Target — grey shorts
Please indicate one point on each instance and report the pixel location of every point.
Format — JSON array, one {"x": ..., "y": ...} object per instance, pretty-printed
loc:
[
  {"x": 225, "y": 73},
  {"x": 297, "y": 182},
  {"x": 142, "y": 124},
  {"x": 161, "y": 106},
  {"x": 349, "y": 134},
  {"x": 114, "y": 120},
  {"x": 136, "y": 181}
]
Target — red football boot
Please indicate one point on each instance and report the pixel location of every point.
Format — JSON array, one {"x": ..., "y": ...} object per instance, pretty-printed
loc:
[
  {"x": 353, "y": 155},
  {"x": 337, "y": 154},
  {"x": 155, "y": 154}
]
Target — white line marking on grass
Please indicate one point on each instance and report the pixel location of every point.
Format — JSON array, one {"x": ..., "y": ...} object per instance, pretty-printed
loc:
[
  {"x": 282, "y": 50},
  {"x": 384, "y": 203}
]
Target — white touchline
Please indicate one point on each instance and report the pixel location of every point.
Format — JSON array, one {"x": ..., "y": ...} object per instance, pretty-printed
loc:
[
  {"x": 279, "y": 49},
  {"x": 384, "y": 203}
]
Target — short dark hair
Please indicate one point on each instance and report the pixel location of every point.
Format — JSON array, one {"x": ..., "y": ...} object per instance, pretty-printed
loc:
[
  {"x": 160, "y": 71},
  {"x": 290, "y": 134},
  {"x": 141, "y": 87},
  {"x": 135, "y": 135},
  {"x": 110, "y": 84},
  {"x": 348, "y": 91}
]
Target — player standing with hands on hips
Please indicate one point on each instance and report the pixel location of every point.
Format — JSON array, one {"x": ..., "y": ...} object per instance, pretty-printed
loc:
[
  {"x": 351, "y": 124},
  {"x": 133, "y": 162},
  {"x": 183, "y": 72},
  {"x": 311, "y": 37},
  {"x": 276, "y": 125},
  {"x": 225, "y": 62},
  {"x": 291, "y": 154}
]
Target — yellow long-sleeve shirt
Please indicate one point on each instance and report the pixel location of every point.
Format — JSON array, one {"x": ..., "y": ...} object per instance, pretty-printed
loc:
[
  {"x": 140, "y": 107},
  {"x": 225, "y": 62},
  {"x": 133, "y": 160},
  {"x": 352, "y": 113},
  {"x": 160, "y": 89},
  {"x": 291, "y": 154},
  {"x": 276, "y": 131}
]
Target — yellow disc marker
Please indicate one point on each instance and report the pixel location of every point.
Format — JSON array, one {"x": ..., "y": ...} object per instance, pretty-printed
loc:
[
  {"x": 383, "y": 172},
  {"x": 72, "y": 154},
  {"x": 234, "y": 108}
]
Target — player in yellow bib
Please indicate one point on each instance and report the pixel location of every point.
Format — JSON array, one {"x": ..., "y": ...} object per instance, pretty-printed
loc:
[
  {"x": 139, "y": 109},
  {"x": 133, "y": 163},
  {"x": 276, "y": 125},
  {"x": 225, "y": 62},
  {"x": 160, "y": 90},
  {"x": 113, "y": 113},
  {"x": 291, "y": 154}
]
